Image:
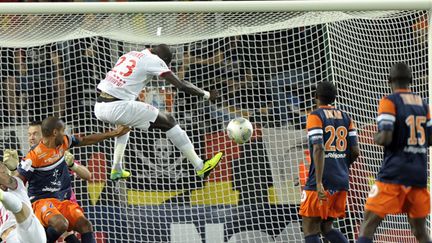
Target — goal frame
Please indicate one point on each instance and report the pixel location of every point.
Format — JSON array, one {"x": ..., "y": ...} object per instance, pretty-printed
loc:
[{"x": 213, "y": 6}]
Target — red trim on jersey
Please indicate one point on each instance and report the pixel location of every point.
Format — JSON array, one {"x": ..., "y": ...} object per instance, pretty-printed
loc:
[
  {"x": 164, "y": 73},
  {"x": 326, "y": 106}
]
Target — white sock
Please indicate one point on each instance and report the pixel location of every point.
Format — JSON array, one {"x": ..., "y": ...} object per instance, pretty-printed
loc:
[
  {"x": 11, "y": 202},
  {"x": 119, "y": 149},
  {"x": 181, "y": 140}
]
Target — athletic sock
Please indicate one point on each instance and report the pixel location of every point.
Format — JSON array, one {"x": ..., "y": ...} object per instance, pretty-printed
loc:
[
  {"x": 88, "y": 238},
  {"x": 363, "y": 239},
  {"x": 119, "y": 150},
  {"x": 312, "y": 239},
  {"x": 181, "y": 140},
  {"x": 71, "y": 239},
  {"x": 52, "y": 235},
  {"x": 335, "y": 236}
]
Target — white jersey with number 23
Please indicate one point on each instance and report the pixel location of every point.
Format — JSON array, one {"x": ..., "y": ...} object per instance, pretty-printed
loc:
[{"x": 131, "y": 74}]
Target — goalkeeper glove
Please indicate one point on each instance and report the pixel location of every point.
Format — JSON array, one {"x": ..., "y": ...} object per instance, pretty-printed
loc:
[
  {"x": 69, "y": 158},
  {"x": 10, "y": 159}
]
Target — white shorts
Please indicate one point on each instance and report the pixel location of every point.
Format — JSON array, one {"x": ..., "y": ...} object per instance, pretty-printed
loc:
[
  {"x": 34, "y": 233},
  {"x": 129, "y": 113}
]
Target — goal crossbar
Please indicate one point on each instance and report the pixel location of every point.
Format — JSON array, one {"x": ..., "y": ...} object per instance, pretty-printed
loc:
[{"x": 213, "y": 6}]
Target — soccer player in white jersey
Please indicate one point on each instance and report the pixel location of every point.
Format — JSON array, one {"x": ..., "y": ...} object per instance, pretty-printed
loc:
[
  {"x": 117, "y": 105},
  {"x": 18, "y": 224}
]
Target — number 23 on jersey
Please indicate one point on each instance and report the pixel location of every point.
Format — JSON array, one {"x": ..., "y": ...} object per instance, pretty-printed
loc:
[{"x": 125, "y": 66}]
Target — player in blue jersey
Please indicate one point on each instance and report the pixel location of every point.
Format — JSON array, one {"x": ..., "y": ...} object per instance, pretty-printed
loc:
[
  {"x": 49, "y": 183},
  {"x": 404, "y": 129},
  {"x": 34, "y": 134},
  {"x": 333, "y": 147}
]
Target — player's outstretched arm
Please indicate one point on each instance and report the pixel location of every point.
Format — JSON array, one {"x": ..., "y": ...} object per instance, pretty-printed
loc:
[
  {"x": 80, "y": 170},
  {"x": 98, "y": 137},
  {"x": 189, "y": 88}
]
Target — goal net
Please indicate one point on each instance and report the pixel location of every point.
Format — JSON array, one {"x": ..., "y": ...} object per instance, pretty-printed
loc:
[{"x": 265, "y": 66}]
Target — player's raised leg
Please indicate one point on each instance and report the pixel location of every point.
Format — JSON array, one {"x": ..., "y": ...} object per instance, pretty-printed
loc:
[
  {"x": 14, "y": 205},
  {"x": 121, "y": 113},
  {"x": 180, "y": 139},
  {"x": 28, "y": 227},
  {"x": 117, "y": 103},
  {"x": 117, "y": 171}
]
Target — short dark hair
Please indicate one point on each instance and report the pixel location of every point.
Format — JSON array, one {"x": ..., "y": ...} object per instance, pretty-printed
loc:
[
  {"x": 164, "y": 52},
  {"x": 326, "y": 92},
  {"x": 401, "y": 74},
  {"x": 49, "y": 124},
  {"x": 35, "y": 123}
]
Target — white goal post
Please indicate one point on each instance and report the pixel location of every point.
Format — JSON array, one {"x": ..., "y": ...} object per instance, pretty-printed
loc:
[
  {"x": 265, "y": 58},
  {"x": 214, "y": 6}
]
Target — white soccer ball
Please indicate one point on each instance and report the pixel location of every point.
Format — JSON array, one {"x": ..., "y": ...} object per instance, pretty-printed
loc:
[{"x": 240, "y": 130}]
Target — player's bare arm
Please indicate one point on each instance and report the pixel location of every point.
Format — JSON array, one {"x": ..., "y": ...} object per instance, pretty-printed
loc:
[
  {"x": 188, "y": 87},
  {"x": 355, "y": 153},
  {"x": 318, "y": 154},
  {"x": 80, "y": 170},
  {"x": 98, "y": 137},
  {"x": 10, "y": 163},
  {"x": 383, "y": 138},
  {"x": 5, "y": 179}
]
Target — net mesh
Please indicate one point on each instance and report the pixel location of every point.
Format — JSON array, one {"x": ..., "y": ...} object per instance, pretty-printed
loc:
[
  {"x": 265, "y": 66},
  {"x": 360, "y": 64}
]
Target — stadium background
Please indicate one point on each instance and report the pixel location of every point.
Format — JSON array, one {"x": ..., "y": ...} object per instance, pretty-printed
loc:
[{"x": 268, "y": 77}]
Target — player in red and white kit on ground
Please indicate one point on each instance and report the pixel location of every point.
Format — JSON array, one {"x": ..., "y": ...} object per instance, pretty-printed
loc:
[
  {"x": 18, "y": 224},
  {"x": 117, "y": 104}
]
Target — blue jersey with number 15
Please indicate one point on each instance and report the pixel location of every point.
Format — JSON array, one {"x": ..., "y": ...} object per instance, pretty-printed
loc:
[{"x": 405, "y": 158}]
